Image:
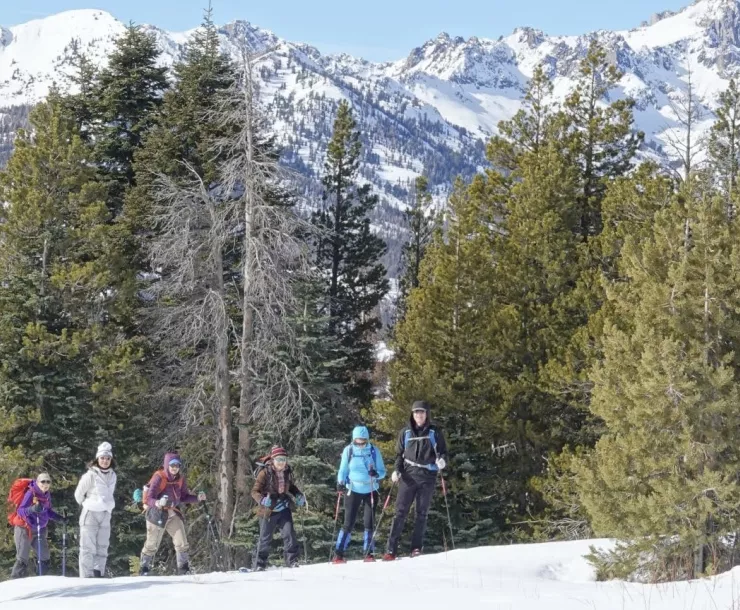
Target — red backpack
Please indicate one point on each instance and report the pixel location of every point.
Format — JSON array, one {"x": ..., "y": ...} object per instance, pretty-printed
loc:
[{"x": 15, "y": 496}]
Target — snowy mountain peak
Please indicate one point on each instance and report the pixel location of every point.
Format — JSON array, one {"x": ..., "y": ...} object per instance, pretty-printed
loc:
[{"x": 256, "y": 39}]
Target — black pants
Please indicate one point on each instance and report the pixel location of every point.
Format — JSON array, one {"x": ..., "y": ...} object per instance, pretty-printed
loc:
[
  {"x": 412, "y": 489},
  {"x": 352, "y": 503},
  {"x": 282, "y": 520}
]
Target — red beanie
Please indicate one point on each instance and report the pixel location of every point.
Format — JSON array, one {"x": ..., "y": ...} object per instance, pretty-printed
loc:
[{"x": 278, "y": 451}]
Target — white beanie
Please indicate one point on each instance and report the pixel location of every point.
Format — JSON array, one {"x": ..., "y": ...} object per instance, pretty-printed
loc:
[{"x": 104, "y": 450}]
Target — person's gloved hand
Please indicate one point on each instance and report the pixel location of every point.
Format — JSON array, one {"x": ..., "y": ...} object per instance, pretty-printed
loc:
[
  {"x": 441, "y": 463},
  {"x": 201, "y": 496},
  {"x": 266, "y": 502},
  {"x": 162, "y": 502},
  {"x": 395, "y": 476},
  {"x": 372, "y": 472},
  {"x": 300, "y": 500},
  {"x": 341, "y": 487}
]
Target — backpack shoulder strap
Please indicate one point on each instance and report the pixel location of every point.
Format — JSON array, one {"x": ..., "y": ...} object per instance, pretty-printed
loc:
[
  {"x": 433, "y": 438},
  {"x": 406, "y": 437}
]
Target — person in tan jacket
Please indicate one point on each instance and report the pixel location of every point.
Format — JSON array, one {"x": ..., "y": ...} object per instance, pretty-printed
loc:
[{"x": 272, "y": 491}]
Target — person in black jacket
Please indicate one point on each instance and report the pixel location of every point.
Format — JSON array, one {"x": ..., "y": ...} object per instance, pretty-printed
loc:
[{"x": 421, "y": 453}]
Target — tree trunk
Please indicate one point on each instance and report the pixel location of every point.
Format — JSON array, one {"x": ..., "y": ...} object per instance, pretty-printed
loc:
[
  {"x": 243, "y": 469},
  {"x": 221, "y": 327}
]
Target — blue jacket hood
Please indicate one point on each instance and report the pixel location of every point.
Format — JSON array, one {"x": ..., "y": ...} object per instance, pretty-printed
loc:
[{"x": 360, "y": 432}]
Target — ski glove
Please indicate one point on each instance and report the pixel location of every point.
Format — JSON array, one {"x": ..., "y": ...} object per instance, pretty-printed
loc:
[
  {"x": 395, "y": 476},
  {"x": 162, "y": 502},
  {"x": 341, "y": 487},
  {"x": 372, "y": 472},
  {"x": 266, "y": 501},
  {"x": 201, "y": 496},
  {"x": 441, "y": 463},
  {"x": 300, "y": 500}
]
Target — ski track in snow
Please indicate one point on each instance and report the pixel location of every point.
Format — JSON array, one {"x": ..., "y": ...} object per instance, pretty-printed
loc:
[{"x": 548, "y": 576}]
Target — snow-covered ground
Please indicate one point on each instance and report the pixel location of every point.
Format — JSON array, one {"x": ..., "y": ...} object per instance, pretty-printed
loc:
[{"x": 551, "y": 576}]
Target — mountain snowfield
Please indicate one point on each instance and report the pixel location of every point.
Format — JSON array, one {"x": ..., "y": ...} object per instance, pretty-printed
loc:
[
  {"x": 433, "y": 109},
  {"x": 549, "y": 576}
]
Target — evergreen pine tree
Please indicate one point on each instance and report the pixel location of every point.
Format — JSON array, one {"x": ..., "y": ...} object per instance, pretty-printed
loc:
[
  {"x": 127, "y": 94},
  {"x": 663, "y": 476},
  {"x": 422, "y": 222},
  {"x": 724, "y": 144},
  {"x": 69, "y": 378},
  {"x": 348, "y": 256}
]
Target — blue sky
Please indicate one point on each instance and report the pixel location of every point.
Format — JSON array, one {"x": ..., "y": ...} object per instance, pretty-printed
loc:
[{"x": 375, "y": 29}]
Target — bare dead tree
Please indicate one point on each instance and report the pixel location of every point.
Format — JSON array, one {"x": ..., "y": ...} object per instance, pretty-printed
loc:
[
  {"x": 274, "y": 259},
  {"x": 194, "y": 227},
  {"x": 685, "y": 141}
]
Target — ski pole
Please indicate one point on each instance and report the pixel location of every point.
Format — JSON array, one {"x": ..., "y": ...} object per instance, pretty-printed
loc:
[
  {"x": 64, "y": 543},
  {"x": 382, "y": 512},
  {"x": 38, "y": 542},
  {"x": 334, "y": 531},
  {"x": 213, "y": 535},
  {"x": 303, "y": 531},
  {"x": 447, "y": 506}
]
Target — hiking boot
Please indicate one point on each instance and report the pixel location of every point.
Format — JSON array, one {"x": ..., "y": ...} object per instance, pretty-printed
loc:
[
  {"x": 97, "y": 574},
  {"x": 20, "y": 569},
  {"x": 389, "y": 557},
  {"x": 184, "y": 569},
  {"x": 415, "y": 552}
]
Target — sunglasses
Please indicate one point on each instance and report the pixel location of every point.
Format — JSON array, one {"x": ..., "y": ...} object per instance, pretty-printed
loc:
[
  {"x": 280, "y": 460},
  {"x": 45, "y": 482}
]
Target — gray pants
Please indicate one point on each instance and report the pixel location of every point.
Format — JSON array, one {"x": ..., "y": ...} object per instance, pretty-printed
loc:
[
  {"x": 282, "y": 521},
  {"x": 94, "y": 540},
  {"x": 23, "y": 545}
]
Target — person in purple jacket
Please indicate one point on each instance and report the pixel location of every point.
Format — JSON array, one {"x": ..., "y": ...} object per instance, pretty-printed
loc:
[
  {"x": 166, "y": 492},
  {"x": 35, "y": 512}
]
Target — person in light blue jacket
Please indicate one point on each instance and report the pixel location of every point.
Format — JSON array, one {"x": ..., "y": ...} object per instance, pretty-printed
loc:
[{"x": 359, "y": 474}]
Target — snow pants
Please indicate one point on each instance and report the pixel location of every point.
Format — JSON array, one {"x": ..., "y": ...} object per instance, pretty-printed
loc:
[
  {"x": 94, "y": 540},
  {"x": 352, "y": 503},
  {"x": 419, "y": 490},
  {"x": 175, "y": 527},
  {"x": 282, "y": 520},
  {"x": 23, "y": 545}
]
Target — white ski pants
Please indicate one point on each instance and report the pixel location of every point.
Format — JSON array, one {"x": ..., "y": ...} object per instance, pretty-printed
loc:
[{"x": 94, "y": 540}]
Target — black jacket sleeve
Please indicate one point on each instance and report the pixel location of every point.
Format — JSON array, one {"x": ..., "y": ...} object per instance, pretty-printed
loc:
[
  {"x": 399, "y": 452},
  {"x": 441, "y": 444}
]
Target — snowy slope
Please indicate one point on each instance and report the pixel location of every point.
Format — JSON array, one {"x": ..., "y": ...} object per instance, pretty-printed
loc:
[
  {"x": 434, "y": 108},
  {"x": 551, "y": 576}
]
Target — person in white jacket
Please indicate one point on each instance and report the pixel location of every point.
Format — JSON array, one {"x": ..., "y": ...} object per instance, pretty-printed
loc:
[{"x": 95, "y": 493}]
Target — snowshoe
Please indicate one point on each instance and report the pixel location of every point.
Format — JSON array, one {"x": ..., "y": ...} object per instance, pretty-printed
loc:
[
  {"x": 184, "y": 569},
  {"x": 338, "y": 559},
  {"x": 260, "y": 568},
  {"x": 144, "y": 571},
  {"x": 295, "y": 564},
  {"x": 369, "y": 558},
  {"x": 389, "y": 557}
]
